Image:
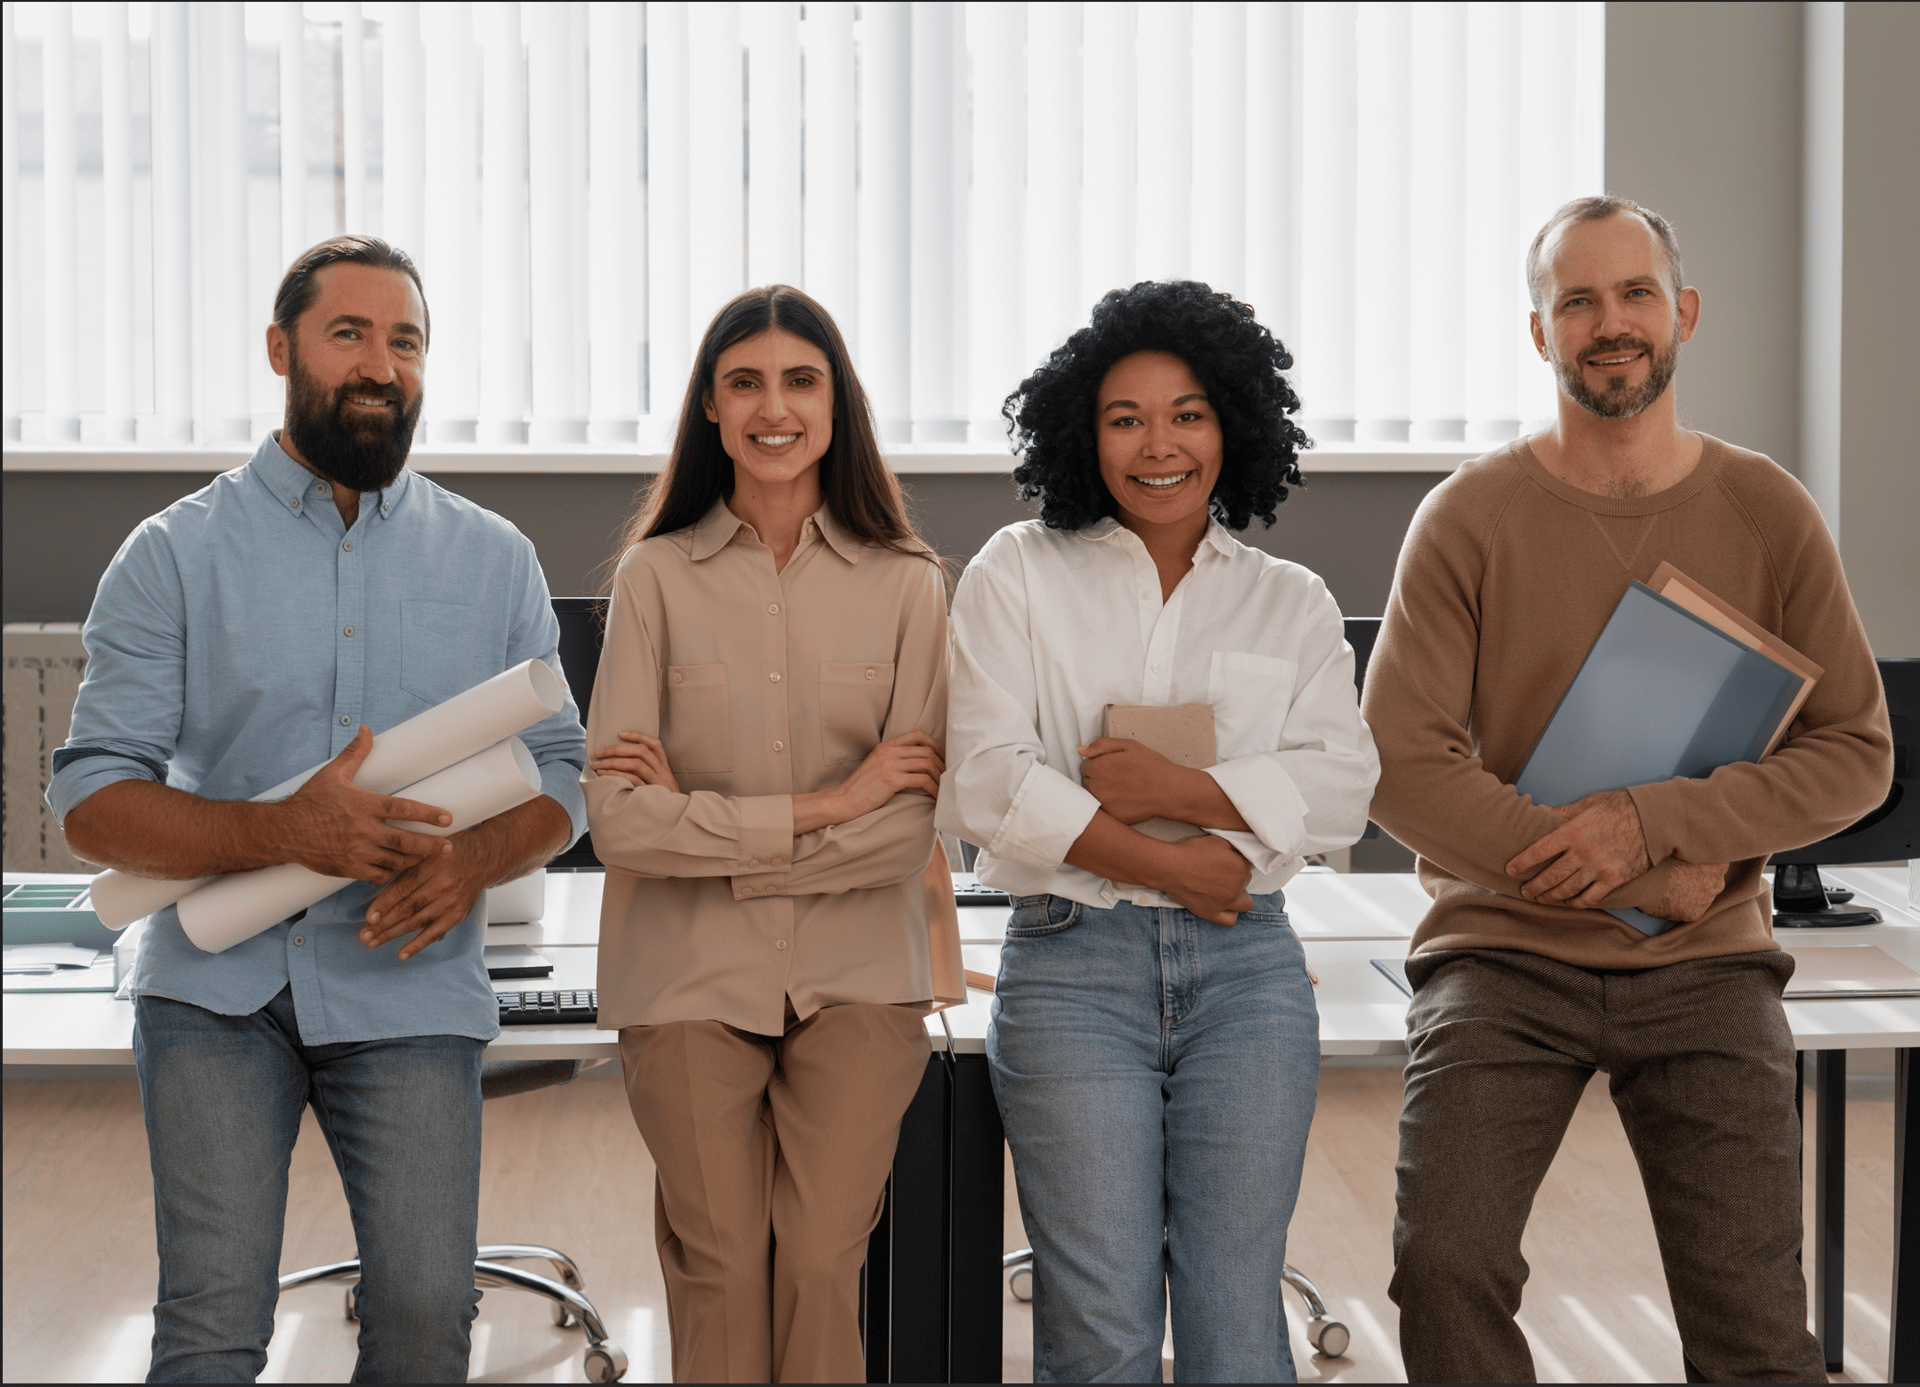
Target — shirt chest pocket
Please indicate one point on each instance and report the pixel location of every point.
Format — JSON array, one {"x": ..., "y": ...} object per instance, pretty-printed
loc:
[
  {"x": 445, "y": 649},
  {"x": 854, "y": 699},
  {"x": 698, "y": 728},
  {"x": 1251, "y": 696}
]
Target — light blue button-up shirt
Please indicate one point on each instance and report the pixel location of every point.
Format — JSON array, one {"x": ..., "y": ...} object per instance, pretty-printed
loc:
[{"x": 243, "y": 635}]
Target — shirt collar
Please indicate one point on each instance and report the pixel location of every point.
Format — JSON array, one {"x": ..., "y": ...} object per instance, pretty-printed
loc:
[
  {"x": 1107, "y": 527},
  {"x": 297, "y": 488},
  {"x": 716, "y": 529}
]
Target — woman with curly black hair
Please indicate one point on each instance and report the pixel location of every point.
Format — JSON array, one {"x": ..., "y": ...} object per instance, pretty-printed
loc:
[{"x": 1155, "y": 1045}]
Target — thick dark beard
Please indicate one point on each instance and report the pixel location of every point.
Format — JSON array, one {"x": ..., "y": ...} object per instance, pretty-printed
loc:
[
  {"x": 1618, "y": 400},
  {"x": 359, "y": 453}
]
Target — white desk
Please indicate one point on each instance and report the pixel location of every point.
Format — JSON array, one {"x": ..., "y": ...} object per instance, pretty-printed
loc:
[{"x": 1345, "y": 922}]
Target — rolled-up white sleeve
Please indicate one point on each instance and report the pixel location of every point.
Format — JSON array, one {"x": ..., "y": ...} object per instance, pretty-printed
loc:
[{"x": 999, "y": 792}]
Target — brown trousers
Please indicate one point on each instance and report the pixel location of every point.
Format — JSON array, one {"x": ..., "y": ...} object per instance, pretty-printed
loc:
[
  {"x": 1700, "y": 1064},
  {"x": 772, "y": 1154}
]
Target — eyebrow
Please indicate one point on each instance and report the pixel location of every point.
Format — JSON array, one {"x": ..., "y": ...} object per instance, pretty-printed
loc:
[
  {"x": 1130, "y": 404},
  {"x": 784, "y": 370},
  {"x": 1631, "y": 283},
  {"x": 355, "y": 320}
]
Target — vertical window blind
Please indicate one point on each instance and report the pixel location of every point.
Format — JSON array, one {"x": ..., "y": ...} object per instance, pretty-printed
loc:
[{"x": 584, "y": 184}]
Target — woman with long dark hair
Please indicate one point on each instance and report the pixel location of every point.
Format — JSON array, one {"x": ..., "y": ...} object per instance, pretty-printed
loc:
[
  {"x": 1155, "y": 1046},
  {"x": 768, "y": 714}
]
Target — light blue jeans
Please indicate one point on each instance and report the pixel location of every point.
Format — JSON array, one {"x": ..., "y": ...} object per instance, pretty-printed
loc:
[
  {"x": 1156, "y": 1074},
  {"x": 223, "y": 1097}
]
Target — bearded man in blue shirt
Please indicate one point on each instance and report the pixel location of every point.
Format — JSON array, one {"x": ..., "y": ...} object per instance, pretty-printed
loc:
[{"x": 262, "y": 624}]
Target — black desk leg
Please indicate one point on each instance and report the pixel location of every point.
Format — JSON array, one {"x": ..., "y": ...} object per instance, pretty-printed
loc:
[
  {"x": 979, "y": 1205},
  {"x": 1903, "y": 1337},
  {"x": 1830, "y": 1203},
  {"x": 907, "y": 1306}
]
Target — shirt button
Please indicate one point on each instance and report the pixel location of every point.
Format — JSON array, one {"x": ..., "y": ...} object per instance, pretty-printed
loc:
[
  {"x": 319, "y": 486},
  {"x": 346, "y": 722},
  {"x": 679, "y": 678},
  {"x": 773, "y": 608},
  {"x": 753, "y": 862},
  {"x": 1145, "y": 596},
  {"x": 299, "y": 941},
  {"x": 350, "y": 632},
  {"x": 779, "y": 746},
  {"x": 775, "y": 676},
  {"x": 779, "y": 943},
  {"x": 779, "y": 861},
  {"x": 869, "y": 674},
  {"x": 348, "y": 546},
  {"x": 1156, "y": 669},
  {"x": 296, "y": 503}
]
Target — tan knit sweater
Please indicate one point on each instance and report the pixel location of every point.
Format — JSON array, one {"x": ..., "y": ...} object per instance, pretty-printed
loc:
[{"x": 1506, "y": 578}]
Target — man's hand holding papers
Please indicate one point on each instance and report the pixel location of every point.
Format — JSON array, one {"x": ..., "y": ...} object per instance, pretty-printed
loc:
[{"x": 332, "y": 826}]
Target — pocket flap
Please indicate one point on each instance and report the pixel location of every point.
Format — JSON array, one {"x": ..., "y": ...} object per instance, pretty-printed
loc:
[
  {"x": 696, "y": 676},
  {"x": 868, "y": 672}
]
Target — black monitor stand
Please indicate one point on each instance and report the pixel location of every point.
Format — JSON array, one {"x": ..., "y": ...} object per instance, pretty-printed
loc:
[{"x": 1802, "y": 901}]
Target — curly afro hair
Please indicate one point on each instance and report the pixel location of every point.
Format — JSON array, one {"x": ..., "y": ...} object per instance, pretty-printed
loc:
[{"x": 1051, "y": 421}]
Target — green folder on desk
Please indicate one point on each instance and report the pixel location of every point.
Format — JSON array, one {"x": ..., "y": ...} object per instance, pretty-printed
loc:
[{"x": 1663, "y": 693}]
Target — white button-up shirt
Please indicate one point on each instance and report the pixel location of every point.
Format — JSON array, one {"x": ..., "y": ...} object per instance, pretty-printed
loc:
[{"x": 1050, "y": 626}]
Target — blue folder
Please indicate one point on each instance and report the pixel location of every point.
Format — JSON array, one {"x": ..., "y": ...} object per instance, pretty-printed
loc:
[{"x": 1661, "y": 694}]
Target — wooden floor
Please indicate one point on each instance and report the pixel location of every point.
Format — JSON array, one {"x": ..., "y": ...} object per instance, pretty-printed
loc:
[{"x": 565, "y": 1167}]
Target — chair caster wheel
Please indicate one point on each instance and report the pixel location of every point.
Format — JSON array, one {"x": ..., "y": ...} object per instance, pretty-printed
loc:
[
  {"x": 1330, "y": 1337},
  {"x": 1020, "y": 1282},
  {"x": 605, "y": 1363},
  {"x": 351, "y": 1310}
]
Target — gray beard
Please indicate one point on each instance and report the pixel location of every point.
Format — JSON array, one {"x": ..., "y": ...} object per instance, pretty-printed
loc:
[{"x": 1618, "y": 400}]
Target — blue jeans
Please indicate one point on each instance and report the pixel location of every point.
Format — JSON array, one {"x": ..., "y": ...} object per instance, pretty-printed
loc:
[
  {"x": 223, "y": 1097},
  {"x": 1156, "y": 1074}
]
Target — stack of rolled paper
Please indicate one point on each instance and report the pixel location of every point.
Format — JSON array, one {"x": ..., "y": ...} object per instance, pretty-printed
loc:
[{"x": 462, "y": 756}]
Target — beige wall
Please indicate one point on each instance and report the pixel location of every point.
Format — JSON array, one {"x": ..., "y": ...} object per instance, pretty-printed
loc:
[
  {"x": 1703, "y": 126},
  {"x": 1779, "y": 138}
]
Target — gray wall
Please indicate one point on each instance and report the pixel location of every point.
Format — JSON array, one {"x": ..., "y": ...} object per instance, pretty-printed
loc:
[
  {"x": 1703, "y": 126},
  {"x": 61, "y": 529}
]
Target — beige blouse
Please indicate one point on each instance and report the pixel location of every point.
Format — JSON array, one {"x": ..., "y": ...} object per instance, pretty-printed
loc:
[{"x": 762, "y": 685}]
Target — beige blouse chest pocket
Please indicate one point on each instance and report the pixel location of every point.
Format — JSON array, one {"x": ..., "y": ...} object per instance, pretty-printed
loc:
[
  {"x": 698, "y": 726},
  {"x": 854, "y": 699}
]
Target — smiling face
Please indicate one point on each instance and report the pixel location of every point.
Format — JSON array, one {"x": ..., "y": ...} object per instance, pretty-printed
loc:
[
  {"x": 772, "y": 396},
  {"x": 1159, "y": 440},
  {"x": 355, "y": 365},
  {"x": 1610, "y": 320}
]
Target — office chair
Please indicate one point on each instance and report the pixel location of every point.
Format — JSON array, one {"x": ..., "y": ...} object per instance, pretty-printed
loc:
[{"x": 603, "y": 1361}]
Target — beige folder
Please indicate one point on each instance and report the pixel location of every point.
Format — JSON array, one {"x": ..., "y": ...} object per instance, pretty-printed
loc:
[
  {"x": 1183, "y": 733},
  {"x": 943, "y": 933},
  {"x": 1677, "y": 587}
]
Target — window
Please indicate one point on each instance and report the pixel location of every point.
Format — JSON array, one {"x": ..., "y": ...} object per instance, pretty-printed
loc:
[{"x": 583, "y": 184}]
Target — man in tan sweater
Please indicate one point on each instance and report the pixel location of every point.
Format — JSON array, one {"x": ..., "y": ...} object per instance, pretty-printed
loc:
[{"x": 1523, "y": 984}]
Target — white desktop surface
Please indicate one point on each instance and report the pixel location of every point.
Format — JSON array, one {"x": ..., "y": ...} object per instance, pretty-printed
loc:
[{"x": 1361, "y": 1013}]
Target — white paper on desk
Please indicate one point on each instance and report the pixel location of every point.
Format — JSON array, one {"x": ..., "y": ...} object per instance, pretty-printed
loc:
[
  {"x": 233, "y": 908},
  {"x": 44, "y": 958},
  {"x": 410, "y": 751}
]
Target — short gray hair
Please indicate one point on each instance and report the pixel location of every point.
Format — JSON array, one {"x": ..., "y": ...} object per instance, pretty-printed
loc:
[{"x": 1593, "y": 209}]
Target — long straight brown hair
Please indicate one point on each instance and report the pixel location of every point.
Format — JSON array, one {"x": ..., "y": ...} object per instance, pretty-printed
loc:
[{"x": 860, "y": 490}]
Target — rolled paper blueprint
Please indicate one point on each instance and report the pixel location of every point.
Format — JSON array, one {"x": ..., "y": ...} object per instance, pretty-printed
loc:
[
  {"x": 232, "y": 908},
  {"x": 425, "y": 743}
]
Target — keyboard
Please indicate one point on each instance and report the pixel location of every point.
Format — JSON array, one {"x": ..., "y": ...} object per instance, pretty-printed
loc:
[
  {"x": 972, "y": 893},
  {"x": 548, "y": 1008}
]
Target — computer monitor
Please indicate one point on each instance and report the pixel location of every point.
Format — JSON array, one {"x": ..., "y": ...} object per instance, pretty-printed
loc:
[
  {"x": 582, "y": 628},
  {"x": 1800, "y": 899}
]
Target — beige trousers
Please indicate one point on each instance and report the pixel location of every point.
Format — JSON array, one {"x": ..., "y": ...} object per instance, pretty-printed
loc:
[{"x": 772, "y": 1155}]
